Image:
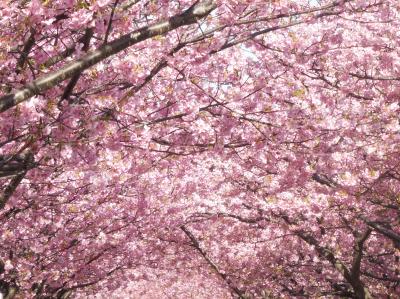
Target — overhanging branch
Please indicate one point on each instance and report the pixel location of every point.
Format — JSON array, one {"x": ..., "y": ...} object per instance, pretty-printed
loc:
[{"x": 198, "y": 10}]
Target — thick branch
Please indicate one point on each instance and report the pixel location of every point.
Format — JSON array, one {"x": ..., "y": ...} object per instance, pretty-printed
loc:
[
  {"x": 12, "y": 165},
  {"x": 355, "y": 270},
  {"x": 109, "y": 26},
  {"x": 395, "y": 237},
  {"x": 74, "y": 80},
  {"x": 25, "y": 51},
  {"x": 18, "y": 168},
  {"x": 324, "y": 180},
  {"x": 190, "y": 16},
  {"x": 358, "y": 253},
  {"x": 361, "y": 292},
  {"x": 9, "y": 190}
]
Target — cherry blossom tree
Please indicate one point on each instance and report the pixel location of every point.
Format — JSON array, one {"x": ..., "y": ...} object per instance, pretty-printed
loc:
[{"x": 199, "y": 149}]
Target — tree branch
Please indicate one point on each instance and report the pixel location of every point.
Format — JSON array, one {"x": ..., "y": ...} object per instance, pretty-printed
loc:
[
  {"x": 109, "y": 26},
  {"x": 395, "y": 237},
  {"x": 9, "y": 190},
  {"x": 30, "y": 42},
  {"x": 198, "y": 10},
  {"x": 19, "y": 173},
  {"x": 74, "y": 80},
  {"x": 392, "y": 235},
  {"x": 361, "y": 292},
  {"x": 196, "y": 245},
  {"x": 358, "y": 253}
]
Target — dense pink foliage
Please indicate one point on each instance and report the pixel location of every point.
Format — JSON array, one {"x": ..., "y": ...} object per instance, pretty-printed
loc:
[{"x": 251, "y": 152}]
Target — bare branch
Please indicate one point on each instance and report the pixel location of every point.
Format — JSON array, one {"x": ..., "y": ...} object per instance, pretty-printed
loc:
[
  {"x": 188, "y": 17},
  {"x": 109, "y": 26},
  {"x": 358, "y": 253},
  {"x": 19, "y": 171},
  {"x": 9, "y": 190},
  {"x": 74, "y": 80},
  {"x": 392, "y": 235}
]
